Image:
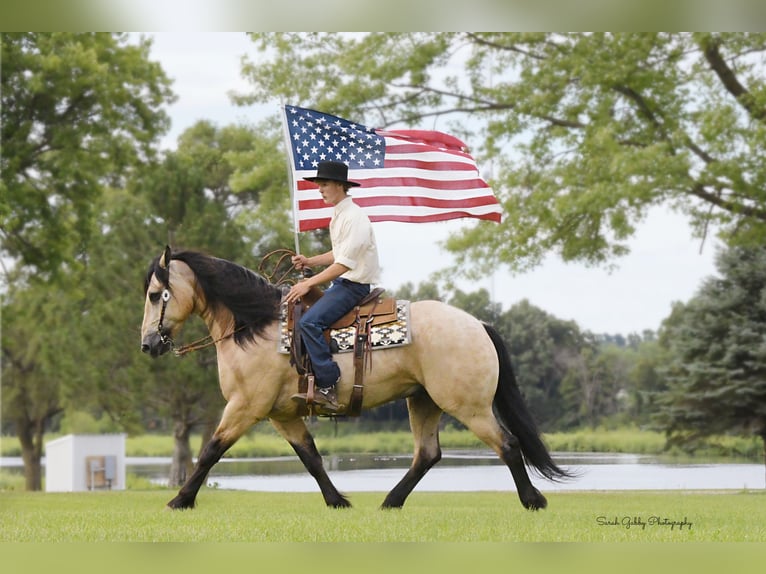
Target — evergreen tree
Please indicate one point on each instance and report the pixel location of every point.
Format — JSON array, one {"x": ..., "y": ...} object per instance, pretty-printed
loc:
[{"x": 716, "y": 373}]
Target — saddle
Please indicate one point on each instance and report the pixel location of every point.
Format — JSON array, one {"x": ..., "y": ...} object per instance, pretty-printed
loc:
[{"x": 370, "y": 311}]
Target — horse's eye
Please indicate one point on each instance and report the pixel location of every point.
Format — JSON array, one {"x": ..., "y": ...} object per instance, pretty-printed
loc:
[{"x": 154, "y": 297}]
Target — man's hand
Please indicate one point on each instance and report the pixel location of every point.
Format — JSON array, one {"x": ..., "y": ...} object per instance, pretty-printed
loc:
[
  {"x": 300, "y": 261},
  {"x": 297, "y": 291}
]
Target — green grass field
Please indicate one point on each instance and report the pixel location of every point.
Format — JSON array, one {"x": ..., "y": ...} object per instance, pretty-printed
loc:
[{"x": 236, "y": 516}]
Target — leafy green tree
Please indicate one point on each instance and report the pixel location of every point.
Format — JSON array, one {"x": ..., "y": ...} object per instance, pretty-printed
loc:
[
  {"x": 256, "y": 160},
  {"x": 78, "y": 112},
  {"x": 716, "y": 372},
  {"x": 35, "y": 366},
  {"x": 425, "y": 291},
  {"x": 105, "y": 339},
  {"x": 194, "y": 207},
  {"x": 600, "y": 380},
  {"x": 585, "y": 132},
  {"x": 478, "y": 304},
  {"x": 543, "y": 348},
  {"x": 646, "y": 380}
]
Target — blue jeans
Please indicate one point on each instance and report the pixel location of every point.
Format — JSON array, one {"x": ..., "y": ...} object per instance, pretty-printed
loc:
[{"x": 339, "y": 299}]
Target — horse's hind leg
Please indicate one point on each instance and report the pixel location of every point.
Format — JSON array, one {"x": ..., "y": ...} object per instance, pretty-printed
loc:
[
  {"x": 508, "y": 449},
  {"x": 424, "y": 422},
  {"x": 510, "y": 453},
  {"x": 295, "y": 432}
]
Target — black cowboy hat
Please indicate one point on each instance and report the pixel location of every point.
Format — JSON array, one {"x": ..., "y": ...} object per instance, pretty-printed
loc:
[{"x": 333, "y": 171}]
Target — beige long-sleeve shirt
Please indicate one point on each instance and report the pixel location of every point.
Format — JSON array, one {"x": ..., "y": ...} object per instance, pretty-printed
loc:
[{"x": 353, "y": 243}]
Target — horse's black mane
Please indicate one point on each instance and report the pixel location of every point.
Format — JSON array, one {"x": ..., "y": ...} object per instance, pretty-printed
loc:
[{"x": 252, "y": 300}]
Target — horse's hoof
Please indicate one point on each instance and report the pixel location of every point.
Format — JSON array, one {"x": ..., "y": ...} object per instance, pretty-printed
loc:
[
  {"x": 536, "y": 501},
  {"x": 341, "y": 502},
  {"x": 179, "y": 503}
]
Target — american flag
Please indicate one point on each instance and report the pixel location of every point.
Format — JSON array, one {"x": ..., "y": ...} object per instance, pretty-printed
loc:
[{"x": 415, "y": 176}]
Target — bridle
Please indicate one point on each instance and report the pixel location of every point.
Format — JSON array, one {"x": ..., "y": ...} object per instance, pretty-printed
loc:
[{"x": 165, "y": 339}]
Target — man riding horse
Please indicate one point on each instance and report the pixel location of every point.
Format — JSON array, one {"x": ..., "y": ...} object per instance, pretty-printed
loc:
[{"x": 351, "y": 265}]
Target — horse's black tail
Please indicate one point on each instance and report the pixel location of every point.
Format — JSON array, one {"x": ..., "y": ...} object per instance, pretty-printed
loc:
[{"x": 512, "y": 413}]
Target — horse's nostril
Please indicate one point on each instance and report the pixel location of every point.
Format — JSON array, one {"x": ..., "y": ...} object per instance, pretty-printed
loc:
[{"x": 145, "y": 348}]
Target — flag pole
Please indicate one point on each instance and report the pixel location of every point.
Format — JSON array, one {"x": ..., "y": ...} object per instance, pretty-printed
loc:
[{"x": 290, "y": 182}]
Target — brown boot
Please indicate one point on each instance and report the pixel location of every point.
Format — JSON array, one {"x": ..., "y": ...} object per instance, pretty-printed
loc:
[{"x": 325, "y": 398}]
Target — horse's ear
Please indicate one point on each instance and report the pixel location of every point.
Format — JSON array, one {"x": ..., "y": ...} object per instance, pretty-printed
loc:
[{"x": 165, "y": 258}]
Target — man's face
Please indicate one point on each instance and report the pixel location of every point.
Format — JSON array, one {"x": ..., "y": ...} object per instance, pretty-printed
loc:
[{"x": 332, "y": 191}]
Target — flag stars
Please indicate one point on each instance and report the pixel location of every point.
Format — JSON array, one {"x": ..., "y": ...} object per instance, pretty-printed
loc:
[{"x": 316, "y": 137}]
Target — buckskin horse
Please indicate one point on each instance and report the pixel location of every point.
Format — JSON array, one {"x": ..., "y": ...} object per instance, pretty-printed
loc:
[{"x": 454, "y": 364}]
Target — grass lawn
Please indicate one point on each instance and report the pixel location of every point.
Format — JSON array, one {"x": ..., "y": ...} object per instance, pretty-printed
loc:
[
  {"x": 448, "y": 533},
  {"x": 237, "y": 516}
]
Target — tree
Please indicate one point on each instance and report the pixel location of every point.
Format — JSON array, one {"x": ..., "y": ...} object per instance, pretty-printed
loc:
[
  {"x": 716, "y": 371},
  {"x": 646, "y": 381},
  {"x": 424, "y": 292},
  {"x": 584, "y": 132},
  {"x": 243, "y": 167},
  {"x": 78, "y": 112},
  {"x": 479, "y": 304},
  {"x": 35, "y": 366},
  {"x": 543, "y": 348},
  {"x": 597, "y": 385}
]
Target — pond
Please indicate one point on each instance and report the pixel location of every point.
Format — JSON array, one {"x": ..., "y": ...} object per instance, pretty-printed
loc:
[
  {"x": 460, "y": 471},
  {"x": 469, "y": 471}
]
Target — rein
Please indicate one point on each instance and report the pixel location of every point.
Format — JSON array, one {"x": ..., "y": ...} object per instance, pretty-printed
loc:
[
  {"x": 202, "y": 343},
  {"x": 208, "y": 340}
]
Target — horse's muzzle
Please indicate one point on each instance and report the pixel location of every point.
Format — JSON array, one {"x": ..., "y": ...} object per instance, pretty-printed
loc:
[{"x": 154, "y": 345}]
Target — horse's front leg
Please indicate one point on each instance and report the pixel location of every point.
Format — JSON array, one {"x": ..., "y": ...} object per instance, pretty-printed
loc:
[
  {"x": 234, "y": 423},
  {"x": 295, "y": 432},
  {"x": 210, "y": 455}
]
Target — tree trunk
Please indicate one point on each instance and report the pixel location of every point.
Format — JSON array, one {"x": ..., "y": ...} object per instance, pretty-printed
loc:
[
  {"x": 181, "y": 465},
  {"x": 208, "y": 428},
  {"x": 31, "y": 438}
]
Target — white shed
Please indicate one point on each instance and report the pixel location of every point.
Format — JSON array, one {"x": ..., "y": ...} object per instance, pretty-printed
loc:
[{"x": 85, "y": 462}]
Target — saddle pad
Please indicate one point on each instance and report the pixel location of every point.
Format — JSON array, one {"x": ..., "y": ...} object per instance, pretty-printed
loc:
[{"x": 393, "y": 334}]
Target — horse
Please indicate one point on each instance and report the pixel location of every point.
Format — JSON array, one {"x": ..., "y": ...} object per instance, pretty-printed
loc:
[{"x": 453, "y": 364}]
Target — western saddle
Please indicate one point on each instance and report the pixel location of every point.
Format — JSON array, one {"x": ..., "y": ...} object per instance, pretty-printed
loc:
[{"x": 370, "y": 311}]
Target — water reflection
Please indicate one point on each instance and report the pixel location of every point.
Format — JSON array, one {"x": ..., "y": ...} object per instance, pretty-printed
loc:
[
  {"x": 468, "y": 471},
  {"x": 458, "y": 471}
]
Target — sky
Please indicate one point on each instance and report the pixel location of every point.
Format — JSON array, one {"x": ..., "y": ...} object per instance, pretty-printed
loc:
[{"x": 665, "y": 264}]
